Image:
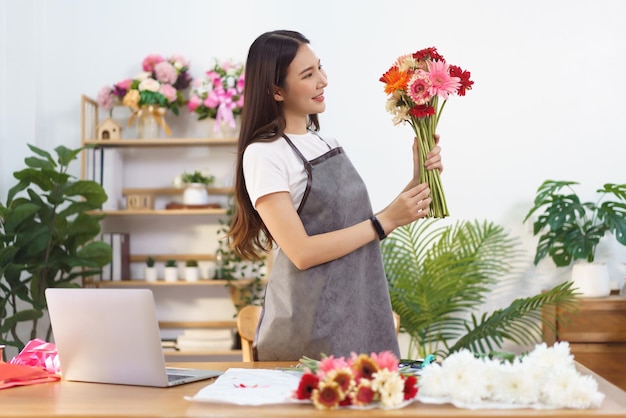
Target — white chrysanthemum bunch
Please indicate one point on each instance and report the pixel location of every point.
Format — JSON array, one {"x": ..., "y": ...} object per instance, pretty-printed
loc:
[{"x": 545, "y": 378}]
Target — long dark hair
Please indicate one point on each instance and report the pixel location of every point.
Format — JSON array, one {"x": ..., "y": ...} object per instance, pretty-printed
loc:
[{"x": 262, "y": 120}]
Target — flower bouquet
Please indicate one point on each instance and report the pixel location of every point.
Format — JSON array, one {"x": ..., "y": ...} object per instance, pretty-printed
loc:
[
  {"x": 361, "y": 381},
  {"x": 219, "y": 95},
  {"x": 418, "y": 86},
  {"x": 152, "y": 91}
]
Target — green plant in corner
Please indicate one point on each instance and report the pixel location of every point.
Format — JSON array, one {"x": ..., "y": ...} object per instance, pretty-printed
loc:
[
  {"x": 234, "y": 268},
  {"x": 46, "y": 239},
  {"x": 439, "y": 277},
  {"x": 569, "y": 229}
]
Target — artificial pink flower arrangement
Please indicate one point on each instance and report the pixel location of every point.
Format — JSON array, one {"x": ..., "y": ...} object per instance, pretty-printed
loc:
[
  {"x": 161, "y": 84},
  {"x": 419, "y": 86},
  {"x": 219, "y": 95},
  {"x": 360, "y": 380}
]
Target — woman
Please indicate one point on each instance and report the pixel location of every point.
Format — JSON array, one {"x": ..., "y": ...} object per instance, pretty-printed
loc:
[{"x": 327, "y": 292}]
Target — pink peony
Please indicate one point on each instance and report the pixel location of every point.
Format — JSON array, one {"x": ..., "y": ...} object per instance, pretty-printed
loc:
[
  {"x": 442, "y": 84},
  {"x": 150, "y": 61},
  {"x": 165, "y": 72},
  {"x": 125, "y": 84},
  {"x": 194, "y": 102},
  {"x": 168, "y": 92},
  {"x": 105, "y": 98}
]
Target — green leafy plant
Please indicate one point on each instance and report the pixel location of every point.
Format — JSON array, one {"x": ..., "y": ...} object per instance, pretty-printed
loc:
[
  {"x": 150, "y": 261},
  {"x": 170, "y": 263},
  {"x": 569, "y": 229},
  {"x": 439, "y": 278},
  {"x": 196, "y": 177},
  {"x": 46, "y": 239},
  {"x": 234, "y": 268},
  {"x": 191, "y": 263}
]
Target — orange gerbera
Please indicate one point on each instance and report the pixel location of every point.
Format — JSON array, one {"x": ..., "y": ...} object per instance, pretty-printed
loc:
[{"x": 395, "y": 79}]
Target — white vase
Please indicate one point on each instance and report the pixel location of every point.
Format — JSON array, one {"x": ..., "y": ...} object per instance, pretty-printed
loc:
[
  {"x": 192, "y": 274},
  {"x": 591, "y": 279},
  {"x": 171, "y": 274},
  {"x": 195, "y": 194},
  {"x": 150, "y": 274}
]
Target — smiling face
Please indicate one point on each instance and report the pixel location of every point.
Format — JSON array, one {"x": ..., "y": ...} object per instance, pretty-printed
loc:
[{"x": 303, "y": 92}]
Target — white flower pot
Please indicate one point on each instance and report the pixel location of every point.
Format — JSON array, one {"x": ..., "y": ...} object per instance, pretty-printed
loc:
[
  {"x": 150, "y": 274},
  {"x": 195, "y": 194},
  {"x": 591, "y": 279},
  {"x": 171, "y": 274},
  {"x": 192, "y": 274}
]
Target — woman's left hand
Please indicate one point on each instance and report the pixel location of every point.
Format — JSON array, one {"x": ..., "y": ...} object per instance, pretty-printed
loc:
[{"x": 433, "y": 159}]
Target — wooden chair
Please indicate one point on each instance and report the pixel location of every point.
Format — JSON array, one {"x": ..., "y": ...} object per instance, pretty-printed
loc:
[{"x": 248, "y": 319}]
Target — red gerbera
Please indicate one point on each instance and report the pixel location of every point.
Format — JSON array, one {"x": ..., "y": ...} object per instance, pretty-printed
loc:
[
  {"x": 464, "y": 76},
  {"x": 428, "y": 53},
  {"x": 395, "y": 79},
  {"x": 422, "y": 111},
  {"x": 410, "y": 387},
  {"x": 308, "y": 383}
]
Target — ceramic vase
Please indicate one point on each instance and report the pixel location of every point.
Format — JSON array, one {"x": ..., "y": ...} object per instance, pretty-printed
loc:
[
  {"x": 591, "y": 279},
  {"x": 192, "y": 274},
  {"x": 195, "y": 194},
  {"x": 150, "y": 274},
  {"x": 171, "y": 274}
]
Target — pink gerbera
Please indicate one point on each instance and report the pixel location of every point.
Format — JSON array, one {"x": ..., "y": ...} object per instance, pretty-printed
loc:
[
  {"x": 419, "y": 88},
  {"x": 386, "y": 360},
  {"x": 330, "y": 363},
  {"x": 442, "y": 84}
]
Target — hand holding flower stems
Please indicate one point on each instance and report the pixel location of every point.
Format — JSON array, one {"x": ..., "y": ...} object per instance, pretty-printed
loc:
[{"x": 415, "y": 83}]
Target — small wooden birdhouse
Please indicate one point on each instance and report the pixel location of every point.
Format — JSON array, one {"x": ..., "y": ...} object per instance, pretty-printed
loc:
[{"x": 109, "y": 130}]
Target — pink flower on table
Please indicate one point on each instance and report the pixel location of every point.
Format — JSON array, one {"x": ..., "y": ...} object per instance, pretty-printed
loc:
[
  {"x": 386, "y": 360},
  {"x": 165, "y": 72},
  {"x": 168, "y": 92},
  {"x": 331, "y": 363},
  {"x": 442, "y": 84},
  {"x": 150, "y": 61}
]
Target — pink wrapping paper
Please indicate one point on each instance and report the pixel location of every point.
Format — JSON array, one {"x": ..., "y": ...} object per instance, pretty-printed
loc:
[{"x": 38, "y": 362}]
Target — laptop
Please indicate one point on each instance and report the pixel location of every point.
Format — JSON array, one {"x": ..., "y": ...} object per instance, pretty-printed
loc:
[{"x": 112, "y": 336}]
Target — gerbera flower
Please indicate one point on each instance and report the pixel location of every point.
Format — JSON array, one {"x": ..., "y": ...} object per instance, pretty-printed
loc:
[
  {"x": 410, "y": 387},
  {"x": 308, "y": 384},
  {"x": 327, "y": 364},
  {"x": 386, "y": 360},
  {"x": 422, "y": 111},
  {"x": 327, "y": 396},
  {"x": 363, "y": 394},
  {"x": 395, "y": 79},
  {"x": 343, "y": 378},
  {"x": 364, "y": 367},
  {"x": 442, "y": 84},
  {"x": 464, "y": 77},
  {"x": 390, "y": 386},
  {"x": 406, "y": 63},
  {"x": 419, "y": 88},
  {"x": 428, "y": 54}
]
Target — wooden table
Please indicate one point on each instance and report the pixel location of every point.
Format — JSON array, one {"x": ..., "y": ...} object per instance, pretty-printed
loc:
[{"x": 75, "y": 399}]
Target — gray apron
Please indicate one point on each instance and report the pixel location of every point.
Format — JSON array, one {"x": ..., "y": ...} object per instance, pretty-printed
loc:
[{"x": 338, "y": 307}]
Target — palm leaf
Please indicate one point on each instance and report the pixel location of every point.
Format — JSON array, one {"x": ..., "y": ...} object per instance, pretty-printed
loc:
[{"x": 440, "y": 276}]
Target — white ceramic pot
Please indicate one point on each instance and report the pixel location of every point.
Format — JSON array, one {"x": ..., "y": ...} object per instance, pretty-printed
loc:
[
  {"x": 150, "y": 274},
  {"x": 195, "y": 194},
  {"x": 591, "y": 279},
  {"x": 192, "y": 274},
  {"x": 171, "y": 274}
]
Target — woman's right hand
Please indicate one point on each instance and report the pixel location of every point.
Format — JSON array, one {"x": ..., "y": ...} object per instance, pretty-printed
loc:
[{"x": 408, "y": 207}]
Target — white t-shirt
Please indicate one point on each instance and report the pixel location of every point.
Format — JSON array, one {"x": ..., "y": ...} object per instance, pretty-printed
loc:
[{"x": 271, "y": 167}]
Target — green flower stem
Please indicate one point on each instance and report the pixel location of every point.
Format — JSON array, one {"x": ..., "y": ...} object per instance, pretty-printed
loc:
[{"x": 424, "y": 129}]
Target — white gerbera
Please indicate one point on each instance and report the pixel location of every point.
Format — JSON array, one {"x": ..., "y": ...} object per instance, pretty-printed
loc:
[{"x": 390, "y": 386}]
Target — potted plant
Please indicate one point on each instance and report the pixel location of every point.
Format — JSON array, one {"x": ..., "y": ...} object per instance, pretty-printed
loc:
[
  {"x": 170, "y": 272},
  {"x": 46, "y": 240},
  {"x": 192, "y": 272},
  {"x": 150, "y": 271},
  {"x": 195, "y": 185},
  {"x": 570, "y": 230},
  {"x": 440, "y": 278}
]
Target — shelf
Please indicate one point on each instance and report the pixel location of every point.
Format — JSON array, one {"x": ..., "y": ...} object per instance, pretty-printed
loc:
[
  {"x": 160, "y": 212},
  {"x": 165, "y": 142},
  {"x": 166, "y": 191},
  {"x": 198, "y": 324}
]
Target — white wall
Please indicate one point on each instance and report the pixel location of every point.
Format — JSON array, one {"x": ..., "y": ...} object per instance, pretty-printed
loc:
[{"x": 547, "y": 101}]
